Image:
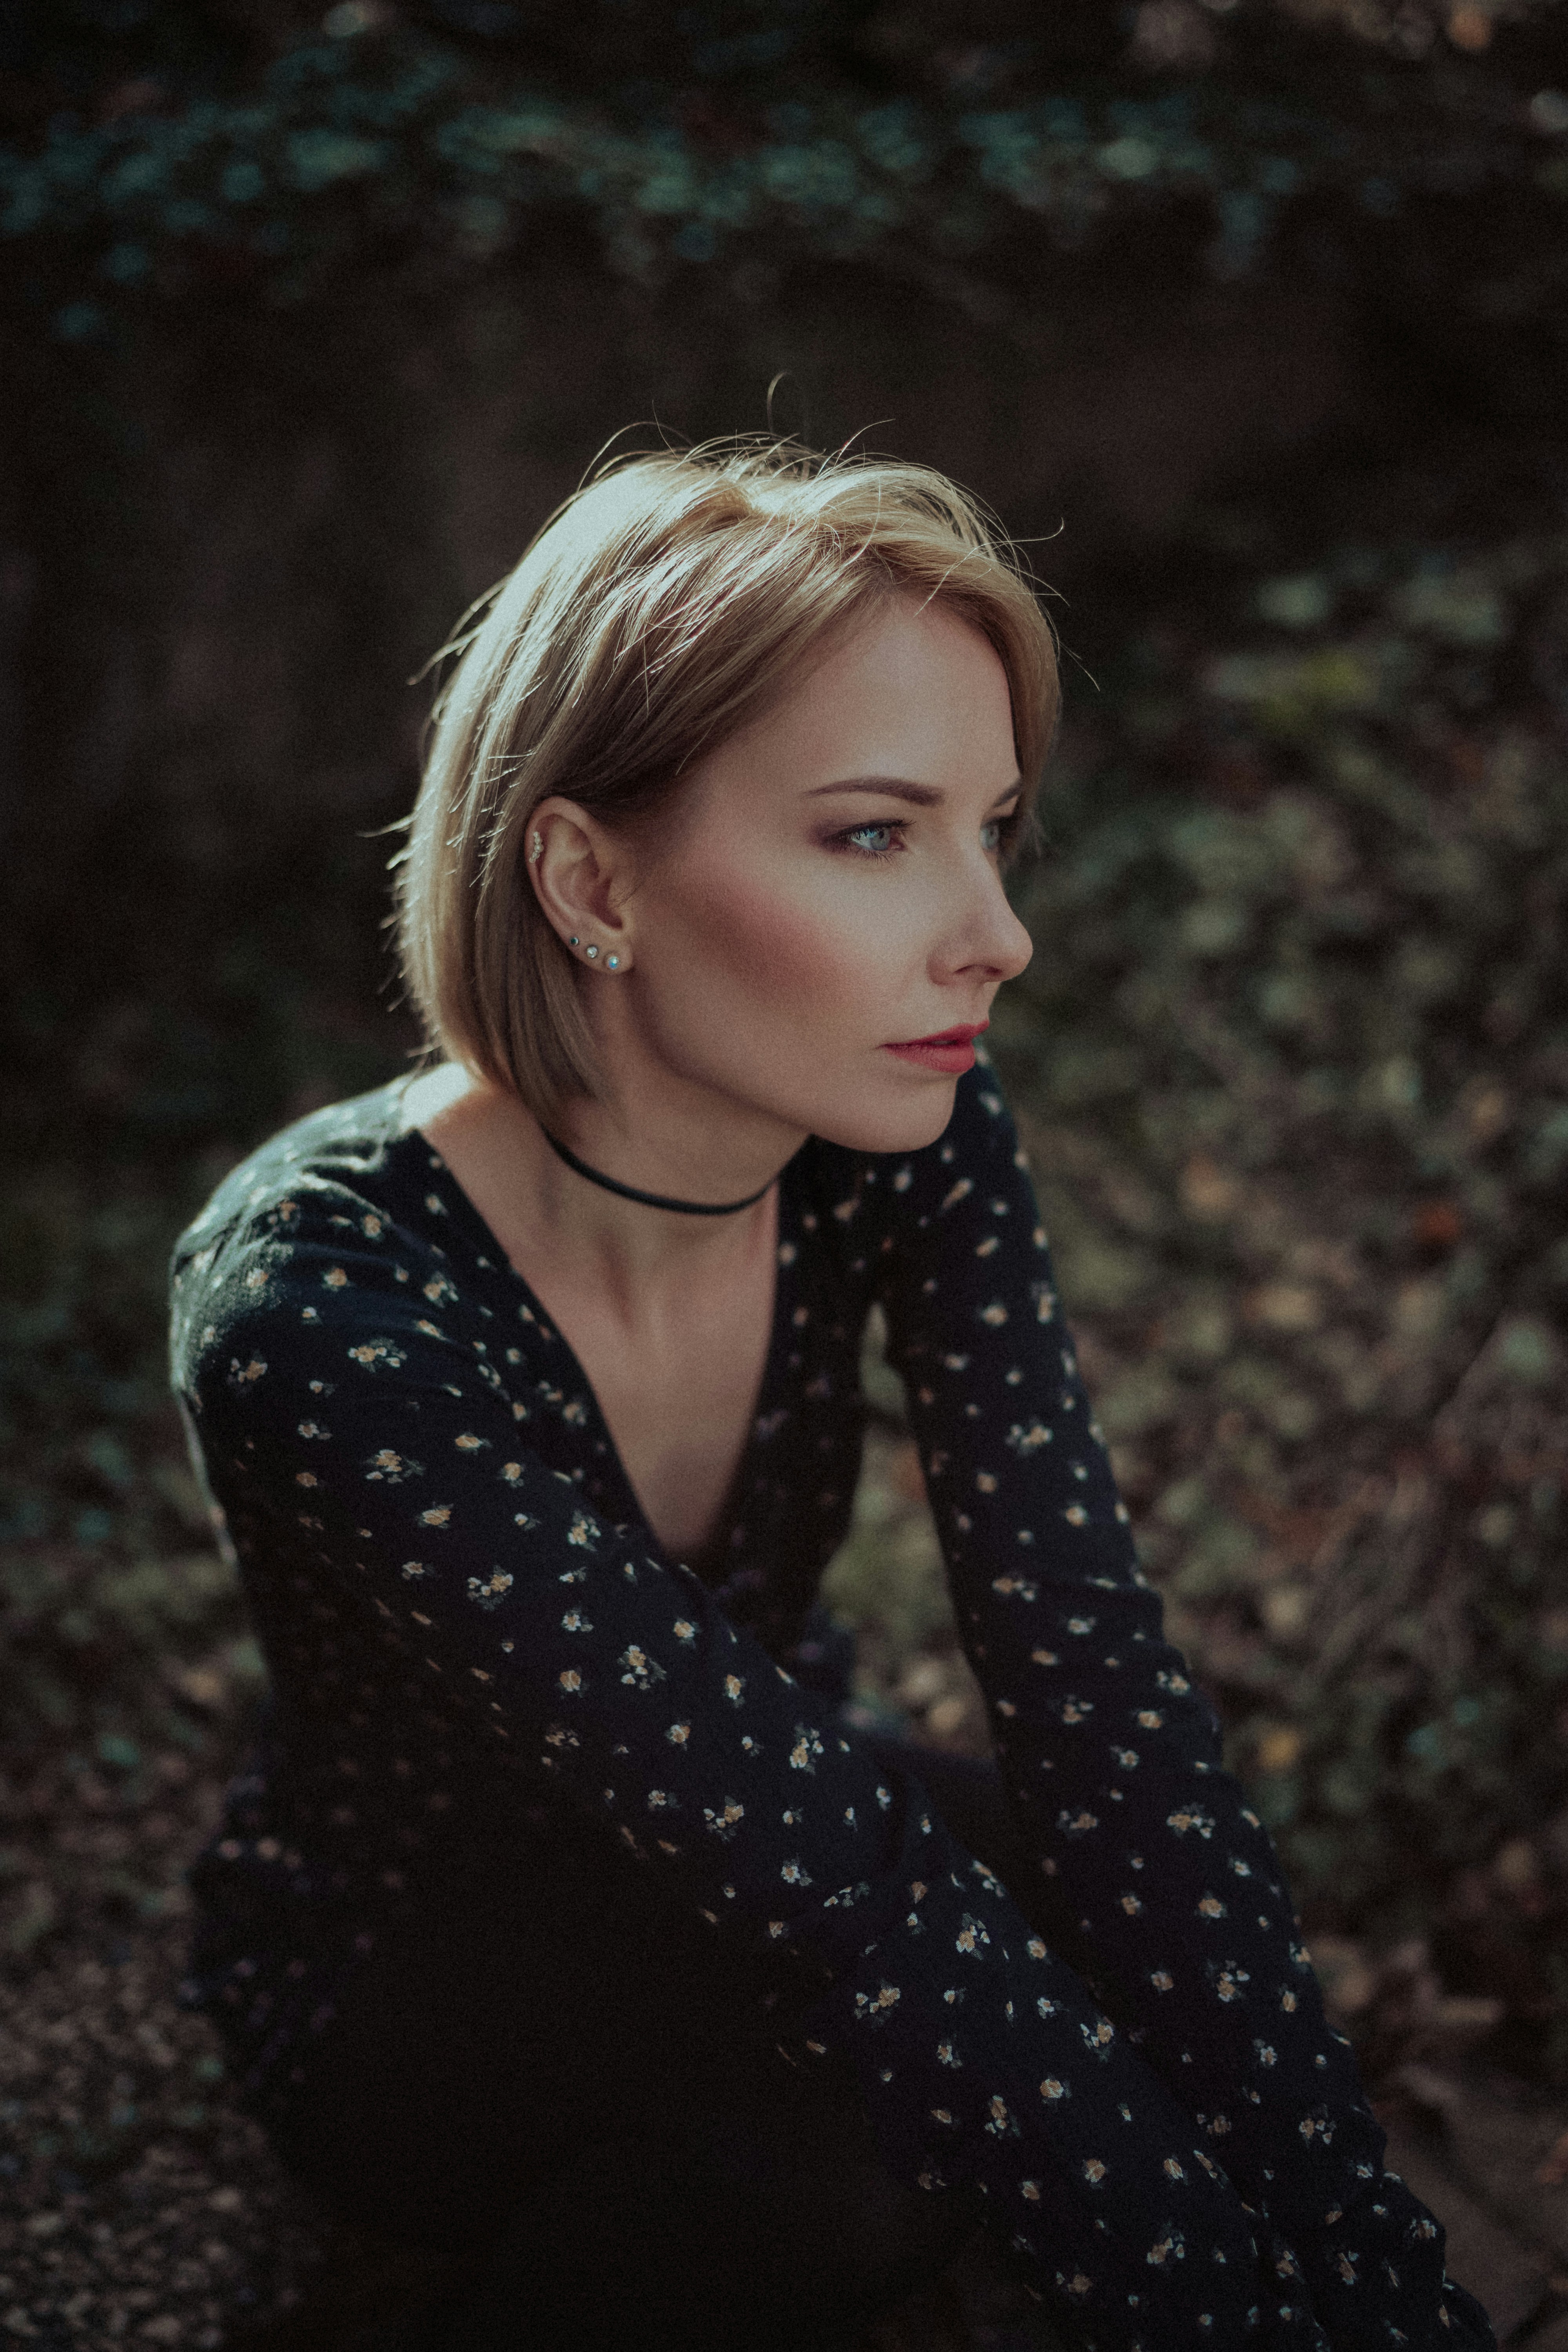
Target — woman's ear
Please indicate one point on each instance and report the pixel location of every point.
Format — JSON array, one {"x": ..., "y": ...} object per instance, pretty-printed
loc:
[{"x": 580, "y": 877}]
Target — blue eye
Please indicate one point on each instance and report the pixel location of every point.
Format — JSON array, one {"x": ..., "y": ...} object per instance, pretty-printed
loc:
[
  {"x": 991, "y": 834},
  {"x": 871, "y": 840}
]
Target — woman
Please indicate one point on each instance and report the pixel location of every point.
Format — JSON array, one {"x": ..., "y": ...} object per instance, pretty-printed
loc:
[{"x": 558, "y": 1920}]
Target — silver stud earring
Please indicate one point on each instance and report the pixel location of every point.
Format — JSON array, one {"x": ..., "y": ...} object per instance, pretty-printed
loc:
[
  {"x": 613, "y": 963},
  {"x": 535, "y": 848},
  {"x": 573, "y": 941},
  {"x": 590, "y": 953}
]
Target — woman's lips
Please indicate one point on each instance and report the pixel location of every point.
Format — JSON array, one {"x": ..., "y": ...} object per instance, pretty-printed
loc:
[{"x": 951, "y": 1052}]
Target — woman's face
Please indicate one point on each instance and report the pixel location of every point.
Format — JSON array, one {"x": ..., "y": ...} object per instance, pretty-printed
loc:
[{"x": 825, "y": 897}]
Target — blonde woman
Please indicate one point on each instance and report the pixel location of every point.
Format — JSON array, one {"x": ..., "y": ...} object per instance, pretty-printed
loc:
[{"x": 560, "y": 1923}]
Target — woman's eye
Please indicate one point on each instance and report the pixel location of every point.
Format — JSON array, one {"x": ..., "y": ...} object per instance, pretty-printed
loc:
[
  {"x": 871, "y": 840},
  {"x": 991, "y": 834}
]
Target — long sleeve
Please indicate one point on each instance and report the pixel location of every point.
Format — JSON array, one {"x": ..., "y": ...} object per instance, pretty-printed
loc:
[
  {"x": 357, "y": 1416},
  {"x": 1168, "y": 1889}
]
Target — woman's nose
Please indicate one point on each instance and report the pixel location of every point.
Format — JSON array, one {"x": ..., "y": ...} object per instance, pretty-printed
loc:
[
  {"x": 993, "y": 940},
  {"x": 1019, "y": 946}
]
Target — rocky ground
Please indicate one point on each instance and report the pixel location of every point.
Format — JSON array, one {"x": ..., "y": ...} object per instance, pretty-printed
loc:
[{"x": 138, "y": 2207}]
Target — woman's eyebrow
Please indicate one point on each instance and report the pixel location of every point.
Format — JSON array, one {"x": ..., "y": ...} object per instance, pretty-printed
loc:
[{"x": 898, "y": 789}]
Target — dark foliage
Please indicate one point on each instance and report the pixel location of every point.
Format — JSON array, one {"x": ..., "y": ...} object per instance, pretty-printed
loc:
[{"x": 211, "y": 152}]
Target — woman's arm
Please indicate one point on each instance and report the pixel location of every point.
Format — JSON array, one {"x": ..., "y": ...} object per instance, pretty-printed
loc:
[
  {"x": 354, "y": 1417},
  {"x": 1167, "y": 1888}
]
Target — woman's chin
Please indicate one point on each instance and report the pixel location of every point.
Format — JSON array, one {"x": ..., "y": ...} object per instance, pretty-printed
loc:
[{"x": 891, "y": 1120}]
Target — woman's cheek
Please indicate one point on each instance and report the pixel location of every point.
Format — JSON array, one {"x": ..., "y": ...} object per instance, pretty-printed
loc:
[{"x": 792, "y": 946}]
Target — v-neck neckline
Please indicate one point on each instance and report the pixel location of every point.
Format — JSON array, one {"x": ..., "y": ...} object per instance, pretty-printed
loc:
[{"x": 770, "y": 1405}]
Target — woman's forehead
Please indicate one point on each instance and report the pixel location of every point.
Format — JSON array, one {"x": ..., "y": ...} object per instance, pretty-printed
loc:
[{"x": 916, "y": 698}]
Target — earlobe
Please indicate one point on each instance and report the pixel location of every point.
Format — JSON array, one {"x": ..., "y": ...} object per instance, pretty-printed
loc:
[
  {"x": 612, "y": 962},
  {"x": 575, "y": 881}
]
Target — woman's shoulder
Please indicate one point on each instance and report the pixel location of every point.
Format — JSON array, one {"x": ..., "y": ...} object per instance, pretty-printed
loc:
[
  {"x": 359, "y": 1148},
  {"x": 345, "y": 1183}
]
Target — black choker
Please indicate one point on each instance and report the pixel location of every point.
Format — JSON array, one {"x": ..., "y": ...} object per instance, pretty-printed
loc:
[{"x": 653, "y": 1200}]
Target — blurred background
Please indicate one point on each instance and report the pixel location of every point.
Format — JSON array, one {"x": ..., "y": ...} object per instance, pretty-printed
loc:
[{"x": 1250, "y": 317}]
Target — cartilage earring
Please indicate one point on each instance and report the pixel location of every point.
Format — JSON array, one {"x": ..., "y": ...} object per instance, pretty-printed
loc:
[
  {"x": 590, "y": 953},
  {"x": 535, "y": 848}
]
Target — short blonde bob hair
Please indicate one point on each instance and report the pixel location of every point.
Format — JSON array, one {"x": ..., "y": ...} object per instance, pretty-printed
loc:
[{"x": 657, "y": 614}]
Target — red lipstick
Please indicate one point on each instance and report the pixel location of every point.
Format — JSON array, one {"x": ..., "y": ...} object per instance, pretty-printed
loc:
[{"x": 951, "y": 1052}]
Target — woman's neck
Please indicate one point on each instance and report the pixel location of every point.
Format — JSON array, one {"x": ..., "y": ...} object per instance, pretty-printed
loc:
[{"x": 547, "y": 1216}]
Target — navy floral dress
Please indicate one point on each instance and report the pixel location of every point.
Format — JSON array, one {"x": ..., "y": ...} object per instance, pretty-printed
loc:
[{"x": 473, "y": 1639}]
